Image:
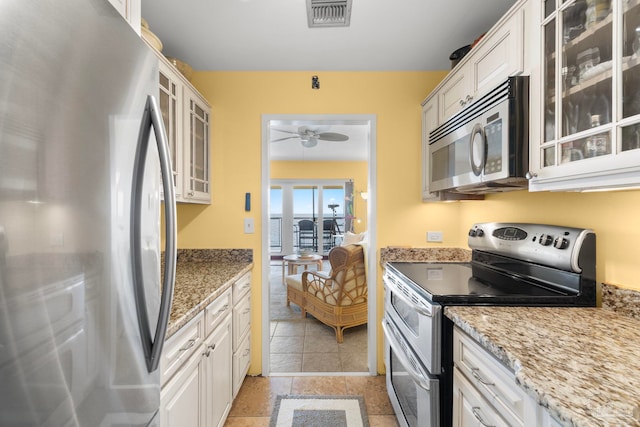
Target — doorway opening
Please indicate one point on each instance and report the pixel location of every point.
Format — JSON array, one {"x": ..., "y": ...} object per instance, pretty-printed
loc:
[{"x": 313, "y": 194}]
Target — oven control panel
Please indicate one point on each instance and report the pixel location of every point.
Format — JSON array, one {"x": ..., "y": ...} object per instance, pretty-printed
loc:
[{"x": 551, "y": 245}]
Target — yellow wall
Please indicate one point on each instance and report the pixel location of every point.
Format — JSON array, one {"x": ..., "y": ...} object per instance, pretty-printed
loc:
[
  {"x": 239, "y": 99},
  {"x": 614, "y": 216},
  {"x": 356, "y": 171}
]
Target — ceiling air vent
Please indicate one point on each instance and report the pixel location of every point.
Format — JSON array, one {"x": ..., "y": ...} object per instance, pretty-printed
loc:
[{"x": 328, "y": 13}]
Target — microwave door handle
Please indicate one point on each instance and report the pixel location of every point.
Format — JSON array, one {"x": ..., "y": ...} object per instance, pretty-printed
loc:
[
  {"x": 417, "y": 377},
  {"x": 477, "y": 149},
  {"x": 398, "y": 293}
]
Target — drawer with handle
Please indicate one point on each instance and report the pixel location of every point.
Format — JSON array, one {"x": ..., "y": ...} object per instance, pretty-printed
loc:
[
  {"x": 241, "y": 287},
  {"x": 490, "y": 377},
  {"x": 215, "y": 311},
  {"x": 181, "y": 346}
]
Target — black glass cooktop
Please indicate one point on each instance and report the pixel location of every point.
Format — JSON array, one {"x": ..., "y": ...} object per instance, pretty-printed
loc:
[{"x": 467, "y": 283}]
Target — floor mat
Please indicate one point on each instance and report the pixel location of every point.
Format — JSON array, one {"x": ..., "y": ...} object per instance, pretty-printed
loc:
[{"x": 319, "y": 411}]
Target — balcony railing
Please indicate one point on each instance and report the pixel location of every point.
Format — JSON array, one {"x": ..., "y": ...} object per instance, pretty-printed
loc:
[{"x": 306, "y": 239}]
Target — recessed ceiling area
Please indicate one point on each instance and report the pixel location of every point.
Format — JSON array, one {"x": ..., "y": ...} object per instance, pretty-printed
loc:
[
  {"x": 257, "y": 35},
  {"x": 356, "y": 148}
]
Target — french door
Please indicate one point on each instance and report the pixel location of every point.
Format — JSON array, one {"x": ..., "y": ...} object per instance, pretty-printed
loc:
[{"x": 306, "y": 215}]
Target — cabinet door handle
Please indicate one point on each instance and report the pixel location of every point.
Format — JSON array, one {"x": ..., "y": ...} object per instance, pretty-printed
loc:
[
  {"x": 223, "y": 309},
  {"x": 469, "y": 98},
  {"x": 212, "y": 347},
  {"x": 476, "y": 375},
  {"x": 207, "y": 353},
  {"x": 189, "y": 344},
  {"x": 462, "y": 103},
  {"x": 476, "y": 413},
  {"x": 248, "y": 309}
]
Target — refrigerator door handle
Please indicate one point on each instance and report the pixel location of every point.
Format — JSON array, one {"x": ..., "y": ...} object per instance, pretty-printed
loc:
[{"x": 153, "y": 347}]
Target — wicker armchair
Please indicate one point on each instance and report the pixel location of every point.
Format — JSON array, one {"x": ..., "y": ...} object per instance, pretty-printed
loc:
[{"x": 337, "y": 299}]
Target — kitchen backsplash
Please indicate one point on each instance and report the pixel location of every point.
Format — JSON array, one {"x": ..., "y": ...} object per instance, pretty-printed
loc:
[
  {"x": 402, "y": 254},
  {"x": 215, "y": 255},
  {"x": 620, "y": 300}
]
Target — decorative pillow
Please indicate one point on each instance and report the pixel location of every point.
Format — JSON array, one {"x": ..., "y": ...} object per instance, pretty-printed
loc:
[{"x": 353, "y": 238}]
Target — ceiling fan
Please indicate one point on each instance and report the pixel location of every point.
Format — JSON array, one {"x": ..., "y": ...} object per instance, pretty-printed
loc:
[{"x": 309, "y": 137}]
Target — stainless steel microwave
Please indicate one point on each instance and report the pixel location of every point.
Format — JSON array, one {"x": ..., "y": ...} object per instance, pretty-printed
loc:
[{"x": 485, "y": 147}]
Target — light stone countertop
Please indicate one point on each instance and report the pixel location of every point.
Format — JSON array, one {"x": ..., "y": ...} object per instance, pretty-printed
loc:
[
  {"x": 580, "y": 363},
  {"x": 202, "y": 276}
]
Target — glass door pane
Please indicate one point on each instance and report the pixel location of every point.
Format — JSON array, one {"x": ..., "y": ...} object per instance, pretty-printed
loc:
[
  {"x": 586, "y": 77},
  {"x": 549, "y": 81},
  {"x": 333, "y": 217},
  {"x": 305, "y": 217},
  {"x": 275, "y": 220},
  {"x": 631, "y": 74}
]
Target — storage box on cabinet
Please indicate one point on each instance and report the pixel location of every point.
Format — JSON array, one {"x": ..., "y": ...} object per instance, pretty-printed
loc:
[
  {"x": 492, "y": 380},
  {"x": 219, "y": 308},
  {"x": 181, "y": 346}
]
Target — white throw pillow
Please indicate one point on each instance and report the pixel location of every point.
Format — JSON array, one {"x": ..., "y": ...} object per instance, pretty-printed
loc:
[{"x": 352, "y": 238}]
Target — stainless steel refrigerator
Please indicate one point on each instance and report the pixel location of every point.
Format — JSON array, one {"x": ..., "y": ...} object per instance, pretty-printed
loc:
[{"x": 83, "y": 155}]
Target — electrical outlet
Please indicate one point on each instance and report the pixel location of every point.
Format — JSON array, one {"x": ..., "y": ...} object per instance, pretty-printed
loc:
[
  {"x": 248, "y": 226},
  {"x": 434, "y": 236}
]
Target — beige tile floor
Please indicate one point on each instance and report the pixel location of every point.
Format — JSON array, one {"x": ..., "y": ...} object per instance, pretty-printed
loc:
[
  {"x": 254, "y": 404},
  {"x": 306, "y": 345},
  {"x": 300, "y": 344}
]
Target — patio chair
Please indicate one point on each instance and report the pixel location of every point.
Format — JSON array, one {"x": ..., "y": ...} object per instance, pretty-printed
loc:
[{"x": 307, "y": 234}]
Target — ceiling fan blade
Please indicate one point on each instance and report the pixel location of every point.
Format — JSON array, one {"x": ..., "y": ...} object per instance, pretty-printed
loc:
[
  {"x": 332, "y": 136},
  {"x": 285, "y": 131},
  {"x": 285, "y": 138}
]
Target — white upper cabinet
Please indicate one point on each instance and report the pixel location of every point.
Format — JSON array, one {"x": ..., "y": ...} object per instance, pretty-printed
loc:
[
  {"x": 429, "y": 122},
  {"x": 186, "y": 115},
  {"x": 586, "y": 130},
  {"x": 130, "y": 11},
  {"x": 499, "y": 54}
]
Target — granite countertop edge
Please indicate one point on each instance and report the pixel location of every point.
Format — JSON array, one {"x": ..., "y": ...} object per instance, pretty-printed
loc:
[
  {"x": 198, "y": 283},
  {"x": 578, "y": 411}
]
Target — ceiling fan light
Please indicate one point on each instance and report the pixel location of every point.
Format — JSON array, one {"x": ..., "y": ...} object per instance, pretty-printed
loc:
[{"x": 309, "y": 143}]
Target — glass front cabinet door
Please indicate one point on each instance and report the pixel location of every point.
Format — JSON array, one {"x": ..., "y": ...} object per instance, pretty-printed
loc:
[{"x": 587, "y": 132}]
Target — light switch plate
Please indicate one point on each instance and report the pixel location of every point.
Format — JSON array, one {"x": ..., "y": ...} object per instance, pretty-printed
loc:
[{"x": 248, "y": 226}]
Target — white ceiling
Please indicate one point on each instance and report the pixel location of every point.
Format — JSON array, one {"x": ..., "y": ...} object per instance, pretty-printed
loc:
[
  {"x": 246, "y": 35},
  {"x": 400, "y": 35},
  {"x": 355, "y": 149}
]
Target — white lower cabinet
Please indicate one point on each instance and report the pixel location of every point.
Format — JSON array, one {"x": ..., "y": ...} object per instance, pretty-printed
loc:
[
  {"x": 197, "y": 372},
  {"x": 470, "y": 407},
  {"x": 485, "y": 391},
  {"x": 181, "y": 398},
  {"x": 218, "y": 371},
  {"x": 241, "y": 330}
]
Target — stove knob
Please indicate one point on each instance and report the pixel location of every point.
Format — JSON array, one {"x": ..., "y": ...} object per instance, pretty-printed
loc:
[
  {"x": 561, "y": 243},
  {"x": 479, "y": 233},
  {"x": 545, "y": 240},
  {"x": 472, "y": 232}
]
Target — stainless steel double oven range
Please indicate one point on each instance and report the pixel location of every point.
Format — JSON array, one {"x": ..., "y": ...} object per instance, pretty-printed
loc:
[{"x": 512, "y": 264}]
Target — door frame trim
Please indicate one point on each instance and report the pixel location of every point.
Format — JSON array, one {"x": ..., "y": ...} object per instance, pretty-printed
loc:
[{"x": 372, "y": 270}]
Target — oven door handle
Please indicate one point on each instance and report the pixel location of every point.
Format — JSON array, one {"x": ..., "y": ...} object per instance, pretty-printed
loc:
[
  {"x": 416, "y": 376},
  {"x": 397, "y": 292}
]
